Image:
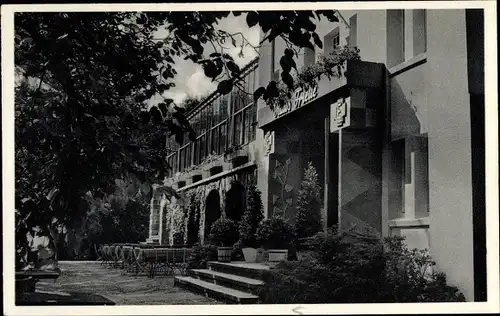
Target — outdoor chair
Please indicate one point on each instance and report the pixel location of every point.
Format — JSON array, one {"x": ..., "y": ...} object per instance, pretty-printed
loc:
[
  {"x": 105, "y": 255},
  {"x": 98, "y": 252}
]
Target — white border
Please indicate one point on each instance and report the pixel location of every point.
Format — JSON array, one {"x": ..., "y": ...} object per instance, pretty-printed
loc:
[{"x": 491, "y": 124}]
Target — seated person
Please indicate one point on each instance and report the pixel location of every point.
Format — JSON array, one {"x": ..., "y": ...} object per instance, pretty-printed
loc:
[{"x": 42, "y": 255}]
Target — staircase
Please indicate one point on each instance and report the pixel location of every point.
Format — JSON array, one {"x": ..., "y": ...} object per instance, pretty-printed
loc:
[{"x": 236, "y": 282}]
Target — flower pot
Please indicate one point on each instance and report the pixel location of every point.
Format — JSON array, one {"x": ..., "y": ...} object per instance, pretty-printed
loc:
[
  {"x": 276, "y": 255},
  {"x": 250, "y": 254},
  {"x": 224, "y": 254}
]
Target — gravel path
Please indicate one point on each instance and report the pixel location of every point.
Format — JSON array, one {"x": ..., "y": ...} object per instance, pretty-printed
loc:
[{"x": 90, "y": 277}]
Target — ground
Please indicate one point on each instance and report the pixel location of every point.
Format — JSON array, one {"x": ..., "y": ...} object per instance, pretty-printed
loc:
[{"x": 89, "y": 277}]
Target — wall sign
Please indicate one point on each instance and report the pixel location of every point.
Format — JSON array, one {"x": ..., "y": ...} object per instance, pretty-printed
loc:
[
  {"x": 340, "y": 114},
  {"x": 299, "y": 98}
]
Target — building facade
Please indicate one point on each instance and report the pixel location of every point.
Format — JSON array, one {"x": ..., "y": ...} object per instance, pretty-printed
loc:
[{"x": 398, "y": 143}]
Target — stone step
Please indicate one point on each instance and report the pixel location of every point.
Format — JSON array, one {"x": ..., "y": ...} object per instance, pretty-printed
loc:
[
  {"x": 229, "y": 280},
  {"x": 215, "y": 291},
  {"x": 240, "y": 268}
]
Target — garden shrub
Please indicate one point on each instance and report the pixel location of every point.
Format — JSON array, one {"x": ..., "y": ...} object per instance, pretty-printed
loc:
[
  {"x": 224, "y": 232},
  {"x": 409, "y": 276},
  {"x": 308, "y": 220},
  {"x": 354, "y": 268},
  {"x": 178, "y": 238},
  {"x": 275, "y": 233},
  {"x": 237, "y": 253},
  {"x": 200, "y": 255},
  {"x": 252, "y": 216}
]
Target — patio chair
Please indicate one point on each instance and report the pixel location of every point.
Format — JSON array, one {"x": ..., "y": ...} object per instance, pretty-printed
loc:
[{"x": 98, "y": 252}]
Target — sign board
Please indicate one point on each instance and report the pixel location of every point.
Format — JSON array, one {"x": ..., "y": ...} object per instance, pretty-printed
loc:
[
  {"x": 299, "y": 98},
  {"x": 340, "y": 114}
]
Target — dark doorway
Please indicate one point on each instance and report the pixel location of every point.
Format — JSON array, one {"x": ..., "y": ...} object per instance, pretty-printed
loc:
[
  {"x": 193, "y": 222},
  {"x": 235, "y": 201},
  {"x": 333, "y": 164},
  {"x": 212, "y": 210}
]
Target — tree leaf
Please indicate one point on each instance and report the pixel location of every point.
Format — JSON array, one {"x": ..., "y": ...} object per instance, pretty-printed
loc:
[
  {"x": 317, "y": 40},
  {"x": 259, "y": 93},
  {"x": 225, "y": 87},
  {"x": 231, "y": 65},
  {"x": 252, "y": 18}
]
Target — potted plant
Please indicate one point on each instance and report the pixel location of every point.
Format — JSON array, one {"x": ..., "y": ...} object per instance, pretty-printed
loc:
[
  {"x": 275, "y": 235},
  {"x": 236, "y": 154},
  {"x": 252, "y": 216},
  {"x": 224, "y": 233}
]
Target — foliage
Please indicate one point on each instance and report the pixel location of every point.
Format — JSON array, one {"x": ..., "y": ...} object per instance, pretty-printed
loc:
[
  {"x": 353, "y": 268},
  {"x": 252, "y": 216},
  {"x": 93, "y": 73},
  {"x": 224, "y": 232},
  {"x": 275, "y": 233},
  {"x": 237, "y": 252},
  {"x": 410, "y": 276},
  {"x": 330, "y": 66},
  {"x": 178, "y": 238},
  {"x": 200, "y": 255},
  {"x": 308, "y": 220},
  {"x": 193, "y": 218},
  {"x": 191, "y": 102}
]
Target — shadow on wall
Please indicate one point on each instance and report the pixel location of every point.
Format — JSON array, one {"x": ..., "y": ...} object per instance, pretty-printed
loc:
[
  {"x": 364, "y": 215},
  {"x": 404, "y": 107}
]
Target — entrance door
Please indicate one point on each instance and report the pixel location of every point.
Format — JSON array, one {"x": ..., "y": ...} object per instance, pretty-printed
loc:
[{"x": 333, "y": 165}]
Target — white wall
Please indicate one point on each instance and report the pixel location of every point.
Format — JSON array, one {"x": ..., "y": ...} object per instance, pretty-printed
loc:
[{"x": 450, "y": 148}]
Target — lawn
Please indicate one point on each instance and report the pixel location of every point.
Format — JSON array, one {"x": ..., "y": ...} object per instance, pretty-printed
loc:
[{"x": 89, "y": 277}]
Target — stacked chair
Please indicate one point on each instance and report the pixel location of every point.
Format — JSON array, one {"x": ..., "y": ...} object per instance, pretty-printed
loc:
[{"x": 143, "y": 259}]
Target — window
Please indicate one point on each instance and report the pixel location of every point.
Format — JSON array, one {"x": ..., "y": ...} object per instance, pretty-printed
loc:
[
  {"x": 336, "y": 41},
  {"x": 332, "y": 40},
  {"x": 229, "y": 119},
  {"x": 353, "y": 31},
  {"x": 419, "y": 31},
  {"x": 395, "y": 37},
  {"x": 406, "y": 35},
  {"x": 273, "y": 56},
  {"x": 409, "y": 178}
]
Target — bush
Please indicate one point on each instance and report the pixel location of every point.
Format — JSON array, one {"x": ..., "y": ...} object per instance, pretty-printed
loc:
[
  {"x": 308, "y": 220},
  {"x": 275, "y": 233},
  {"x": 178, "y": 238},
  {"x": 224, "y": 232},
  {"x": 353, "y": 268},
  {"x": 409, "y": 276},
  {"x": 252, "y": 216},
  {"x": 200, "y": 255}
]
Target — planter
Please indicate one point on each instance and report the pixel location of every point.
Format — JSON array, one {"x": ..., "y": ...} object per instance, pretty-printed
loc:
[
  {"x": 224, "y": 254},
  {"x": 276, "y": 255},
  {"x": 238, "y": 156},
  {"x": 250, "y": 254},
  {"x": 196, "y": 176},
  {"x": 212, "y": 168}
]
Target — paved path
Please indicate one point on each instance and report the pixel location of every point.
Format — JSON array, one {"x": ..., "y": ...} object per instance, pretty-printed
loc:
[{"x": 89, "y": 277}]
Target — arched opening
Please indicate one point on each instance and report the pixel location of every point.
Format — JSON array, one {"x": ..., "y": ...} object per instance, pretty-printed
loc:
[
  {"x": 235, "y": 201},
  {"x": 212, "y": 210},
  {"x": 193, "y": 222}
]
